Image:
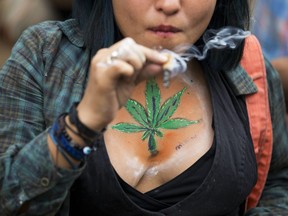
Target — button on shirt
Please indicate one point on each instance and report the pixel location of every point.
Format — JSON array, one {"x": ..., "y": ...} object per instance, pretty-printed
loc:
[{"x": 45, "y": 74}]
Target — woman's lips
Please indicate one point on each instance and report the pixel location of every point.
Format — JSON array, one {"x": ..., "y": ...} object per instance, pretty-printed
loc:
[{"x": 164, "y": 30}]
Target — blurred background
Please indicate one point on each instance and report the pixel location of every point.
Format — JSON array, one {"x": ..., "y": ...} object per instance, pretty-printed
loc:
[
  {"x": 17, "y": 15},
  {"x": 270, "y": 25}
]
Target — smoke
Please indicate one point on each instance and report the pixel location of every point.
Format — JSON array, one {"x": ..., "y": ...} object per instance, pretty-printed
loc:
[
  {"x": 224, "y": 38},
  {"x": 227, "y": 37}
]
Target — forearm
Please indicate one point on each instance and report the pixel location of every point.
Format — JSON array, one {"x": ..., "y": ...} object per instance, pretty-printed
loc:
[{"x": 70, "y": 141}]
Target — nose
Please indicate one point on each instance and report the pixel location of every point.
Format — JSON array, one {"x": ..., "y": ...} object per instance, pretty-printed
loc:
[{"x": 168, "y": 7}]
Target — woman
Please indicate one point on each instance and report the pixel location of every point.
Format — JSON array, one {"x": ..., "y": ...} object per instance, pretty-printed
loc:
[{"x": 181, "y": 150}]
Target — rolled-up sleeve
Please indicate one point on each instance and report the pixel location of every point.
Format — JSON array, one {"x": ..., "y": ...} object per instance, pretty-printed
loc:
[{"x": 28, "y": 175}]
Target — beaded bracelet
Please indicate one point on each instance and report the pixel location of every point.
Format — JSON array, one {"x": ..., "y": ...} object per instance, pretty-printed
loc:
[
  {"x": 83, "y": 130},
  {"x": 64, "y": 143},
  {"x": 61, "y": 150},
  {"x": 86, "y": 149},
  {"x": 61, "y": 138}
]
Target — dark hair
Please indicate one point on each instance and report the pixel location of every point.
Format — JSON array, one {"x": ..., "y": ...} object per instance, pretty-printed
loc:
[{"x": 97, "y": 23}]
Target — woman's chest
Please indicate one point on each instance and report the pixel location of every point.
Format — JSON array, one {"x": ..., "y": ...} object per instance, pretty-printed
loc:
[
  {"x": 160, "y": 132},
  {"x": 226, "y": 184}
]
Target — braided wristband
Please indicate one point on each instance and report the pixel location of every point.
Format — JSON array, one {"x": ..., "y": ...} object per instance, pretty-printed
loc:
[
  {"x": 86, "y": 150},
  {"x": 62, "y": 142},
  {"x": 83, "y": 130},
  {"x": 61, "y": 138},
  {"x": 61, "y": 150}
]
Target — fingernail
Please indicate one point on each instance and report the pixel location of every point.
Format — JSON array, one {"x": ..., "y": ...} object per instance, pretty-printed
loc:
[{"x": 163, "y": 57}]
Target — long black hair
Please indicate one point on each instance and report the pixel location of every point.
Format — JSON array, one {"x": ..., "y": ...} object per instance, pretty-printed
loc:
[{"x": 96, "y": 20}]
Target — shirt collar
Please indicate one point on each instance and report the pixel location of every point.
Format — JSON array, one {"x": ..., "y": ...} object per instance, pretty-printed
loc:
[
  {"x": 240, "y": 82},
  {"x": 72, "y": 31}
]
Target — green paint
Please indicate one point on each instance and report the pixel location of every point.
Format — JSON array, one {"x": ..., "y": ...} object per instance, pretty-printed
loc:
[{"x": 155, "y": 117}]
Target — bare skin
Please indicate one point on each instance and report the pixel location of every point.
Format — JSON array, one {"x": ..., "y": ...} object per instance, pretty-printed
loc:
[{"x": 178, "y": 149}]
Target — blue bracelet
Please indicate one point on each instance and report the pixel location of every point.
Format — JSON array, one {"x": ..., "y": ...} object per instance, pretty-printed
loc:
[
  {"x": 73, "y": 166},
  {"x": 66, "y": 145}
]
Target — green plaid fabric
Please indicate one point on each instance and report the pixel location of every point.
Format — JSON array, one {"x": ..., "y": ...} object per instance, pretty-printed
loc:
[{"x": 45, "y": 74}]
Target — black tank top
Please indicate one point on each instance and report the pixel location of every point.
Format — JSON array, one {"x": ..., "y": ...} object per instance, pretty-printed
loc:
[
  {"x": 221, "y": 191},
  {"x": 175, "y": 190}
]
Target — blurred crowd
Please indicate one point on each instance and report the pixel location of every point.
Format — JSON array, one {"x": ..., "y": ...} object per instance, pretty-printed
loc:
[
  {"x": 270, "y": 25},
  {"x": 17, "y": 15}
]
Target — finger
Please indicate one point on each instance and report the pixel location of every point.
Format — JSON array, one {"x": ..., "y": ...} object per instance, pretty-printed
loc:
[
  {"x": 131, "y": 45},
  {"x": 133, "y": 56},
  {"x": 111, "y": 74},
  {"x": 145, "y": 53},
  {"x": 130, "y": 52},
  {"x": 154, "y": 56},
  {"x": 137, "y": 55},
  {"x": 149, "y": 71}
]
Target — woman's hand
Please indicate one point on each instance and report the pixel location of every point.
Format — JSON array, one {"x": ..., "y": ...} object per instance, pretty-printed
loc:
[{"x": 114, "y": 72}]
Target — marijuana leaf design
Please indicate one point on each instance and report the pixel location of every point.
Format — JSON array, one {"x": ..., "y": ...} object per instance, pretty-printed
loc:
[{"x": 155, "y": 117}]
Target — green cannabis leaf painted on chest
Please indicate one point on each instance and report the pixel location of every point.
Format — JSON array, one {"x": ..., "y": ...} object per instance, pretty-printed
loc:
[{"x": 153, "y": 119}]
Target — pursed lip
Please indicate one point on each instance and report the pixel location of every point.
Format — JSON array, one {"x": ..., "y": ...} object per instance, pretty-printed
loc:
[{"x": 165, "y": 29}]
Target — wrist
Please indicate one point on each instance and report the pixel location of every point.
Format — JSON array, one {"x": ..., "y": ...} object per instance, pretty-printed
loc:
[
  {"x": 73, "y": 132},
  {"x": 70, "y": 141},
  {"x": 84, "y": 131},
  {"x": 93, "y": 121},
  {"x": 71, "y": 154}
]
